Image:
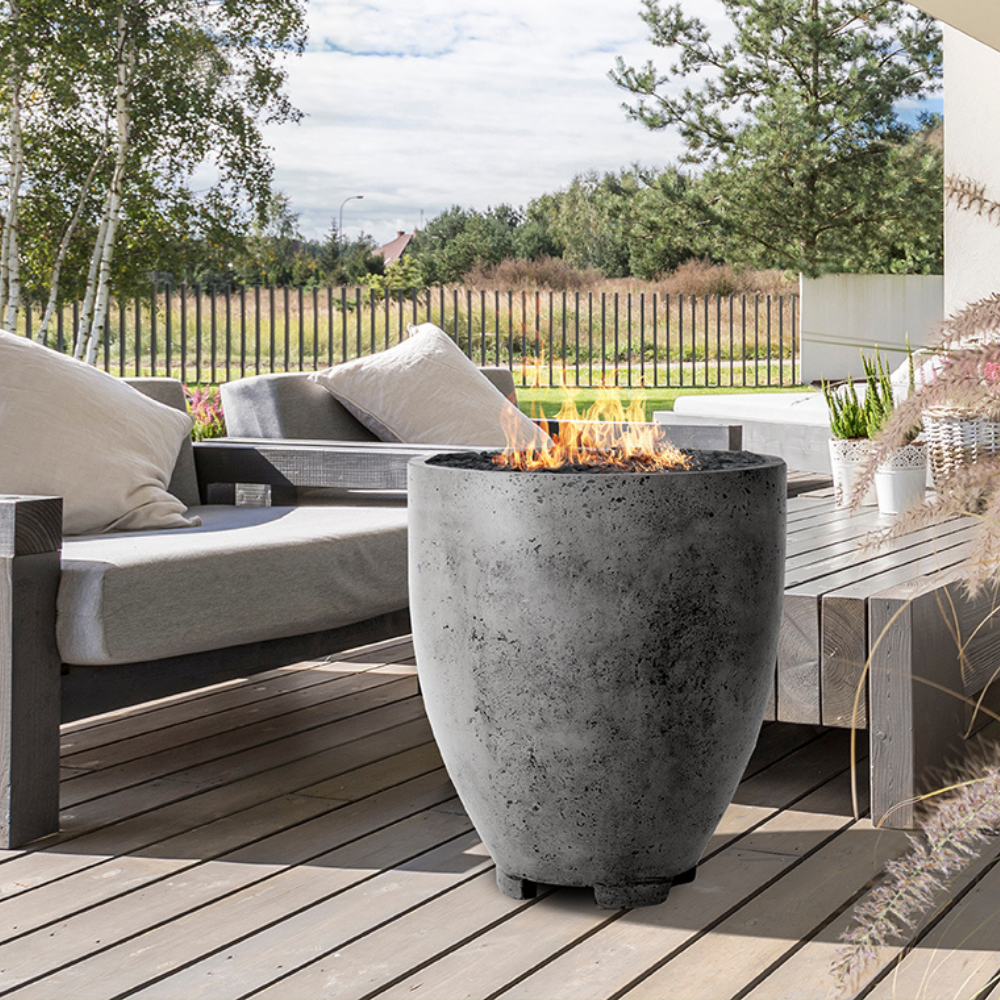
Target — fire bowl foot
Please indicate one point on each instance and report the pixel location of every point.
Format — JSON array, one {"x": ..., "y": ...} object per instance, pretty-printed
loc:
[
  {"x": 623, "y": 897},
  {"x": 619, "y": 897},
  {"x": 515, "y": 887},
  {"x": 685, "y": 878}
]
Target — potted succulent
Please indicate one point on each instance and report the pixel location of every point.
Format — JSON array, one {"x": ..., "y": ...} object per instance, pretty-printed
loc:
[{"x": 900, "y": 479}]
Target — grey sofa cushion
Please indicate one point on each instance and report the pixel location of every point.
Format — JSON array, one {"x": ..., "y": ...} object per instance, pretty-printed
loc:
[
  {"x": 246, "y": 575},
  {"x": 184, "y": 482},
  {"x": 290, "y": 405}
]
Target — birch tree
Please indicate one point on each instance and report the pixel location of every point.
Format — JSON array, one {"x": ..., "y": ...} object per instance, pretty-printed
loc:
[
  {"x": 64, "y": 244},
  {"x": 10, "y": 285},
  {"x": 99, "y": 281},
  {"x": 129, "y": 99}
]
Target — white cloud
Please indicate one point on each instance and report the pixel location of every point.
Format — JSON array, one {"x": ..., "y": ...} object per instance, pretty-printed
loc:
[{"x": 419, "y": 107}]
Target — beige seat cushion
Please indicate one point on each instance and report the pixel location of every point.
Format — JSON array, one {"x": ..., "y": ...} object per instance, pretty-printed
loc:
[
  {"x": 426, "y": 391},
  {"x": 70, "y": 430}
]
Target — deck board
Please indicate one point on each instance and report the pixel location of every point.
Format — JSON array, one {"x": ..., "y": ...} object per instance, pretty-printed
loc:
[{"x": 294, "y": 835}]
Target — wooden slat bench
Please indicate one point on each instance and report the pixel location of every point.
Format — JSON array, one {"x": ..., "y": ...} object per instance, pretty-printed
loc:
[{"x": 904, "y": 608}]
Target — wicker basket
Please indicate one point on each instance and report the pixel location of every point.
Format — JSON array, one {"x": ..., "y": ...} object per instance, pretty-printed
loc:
[{"x": 955, "y": 439}]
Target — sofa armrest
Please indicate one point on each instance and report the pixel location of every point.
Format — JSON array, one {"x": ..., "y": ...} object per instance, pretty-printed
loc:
[
  {"x": 30, "y": 540},
  {"x": 356, "y": 465},
  {"x": 224, "y": 464}
]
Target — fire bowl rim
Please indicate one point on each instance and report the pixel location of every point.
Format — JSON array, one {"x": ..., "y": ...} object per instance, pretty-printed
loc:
[{"x": 770, "y": 462}]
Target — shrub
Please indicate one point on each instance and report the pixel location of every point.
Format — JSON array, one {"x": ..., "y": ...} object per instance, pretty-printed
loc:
[
  {"x": 551, "y": 273},
  {"x": 699, "y": 276}
]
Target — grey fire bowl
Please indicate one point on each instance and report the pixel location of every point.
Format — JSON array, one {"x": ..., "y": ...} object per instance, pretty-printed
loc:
[{"x": 595, "y": 653}]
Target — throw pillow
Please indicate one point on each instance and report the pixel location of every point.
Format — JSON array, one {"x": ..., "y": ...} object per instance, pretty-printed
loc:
[
  {"x": 70, "y": 430},
  {"x": 426, "y": 391}
]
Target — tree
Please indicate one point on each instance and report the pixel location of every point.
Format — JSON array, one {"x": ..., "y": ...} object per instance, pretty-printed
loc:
[
  {"x": 590, "y": 219},
  {"x": 458, "y": 240},
  {"x": 148, "y": 91},
  {"x": 665, "y": 228},
  {"x": 630, "y": 222},
  {"x": 349, "y": 262},
  {"x": 794, "y": 123}
]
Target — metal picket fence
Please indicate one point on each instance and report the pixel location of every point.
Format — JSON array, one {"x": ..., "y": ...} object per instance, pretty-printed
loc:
[{"x": 215, "y": 334}]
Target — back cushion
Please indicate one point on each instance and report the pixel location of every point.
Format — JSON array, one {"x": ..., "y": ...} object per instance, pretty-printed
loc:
[
  {"x": 290, "y": 406},
  {"x": 70, "y": 430},
  {"x": 168, "y": 391}
]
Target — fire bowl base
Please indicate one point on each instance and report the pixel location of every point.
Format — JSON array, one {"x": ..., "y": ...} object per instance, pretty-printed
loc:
[{"x": 607, "y": 897}]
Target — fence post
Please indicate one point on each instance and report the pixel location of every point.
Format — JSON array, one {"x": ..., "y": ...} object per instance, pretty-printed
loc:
[
  {"x": 288, "y": 328},
  {"x": 229, "y": 332},
  {"x": 138, "y": 336},
  {"x": 214, "y": 343},
  {"x": 302, "y": 342},
  {"x": 197, "y": 333},
  {"x": 680, "y": 338},
  {"x": 256, "y": 328},
  {"x": 781, "y": 340},
  {"x": 795, "y": 310},
  {"x": 551, "y": 343},
  {"x": 152, "y": 330},
  {"x": 718, "y": 340},
  {"x": 167, "y": 288},
  {"x": 243, "y": 331},
  {"x": 656, "y": 360},
  {"x": 769, "y": 340},
  {"x": 184, "y": 331},
  {"x": 642, "y": 338}
]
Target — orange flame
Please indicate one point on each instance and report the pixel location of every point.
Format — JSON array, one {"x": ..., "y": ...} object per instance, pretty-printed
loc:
[{"x": 607, "y": 434}]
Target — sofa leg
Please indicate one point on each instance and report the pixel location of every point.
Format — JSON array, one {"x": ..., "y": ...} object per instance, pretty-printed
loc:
[{"x": 30, "y": 538}]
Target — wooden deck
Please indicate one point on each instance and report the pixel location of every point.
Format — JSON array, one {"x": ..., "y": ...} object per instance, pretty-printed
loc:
[{"x": 294, "y": 835}]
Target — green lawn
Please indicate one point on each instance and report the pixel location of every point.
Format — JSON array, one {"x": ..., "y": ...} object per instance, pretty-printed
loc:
[{"x": 550, "y": 400}]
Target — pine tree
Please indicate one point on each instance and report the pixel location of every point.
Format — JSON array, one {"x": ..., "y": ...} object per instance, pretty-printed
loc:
[{"x": 806, "y": 162}]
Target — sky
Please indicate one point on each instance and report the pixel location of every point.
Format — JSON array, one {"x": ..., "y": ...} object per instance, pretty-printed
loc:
[{"x": 419, "y": 105}]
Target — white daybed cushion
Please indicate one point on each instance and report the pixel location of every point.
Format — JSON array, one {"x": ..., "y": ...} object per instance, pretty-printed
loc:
[
  {"x": 70, "y": 430},
  {"x": 808, "y": 408},
  {"x": 426, "y": 391}
]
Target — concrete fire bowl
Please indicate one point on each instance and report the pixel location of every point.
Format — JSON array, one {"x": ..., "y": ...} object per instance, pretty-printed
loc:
[{"x": 595, "y": 652}]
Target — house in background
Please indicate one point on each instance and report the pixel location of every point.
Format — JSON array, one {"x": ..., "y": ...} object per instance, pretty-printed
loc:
[
  {"x": 394, "y": 249},
  {"x": 971, "y": 145}
]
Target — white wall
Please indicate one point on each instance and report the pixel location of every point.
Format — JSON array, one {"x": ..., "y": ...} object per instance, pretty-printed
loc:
[
  {"x": 971, "y": 150},
  {"x": 843, "y": 314}
]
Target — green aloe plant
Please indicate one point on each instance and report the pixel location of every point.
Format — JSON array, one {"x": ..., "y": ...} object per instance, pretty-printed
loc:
[{"x": 852, "y": 418}]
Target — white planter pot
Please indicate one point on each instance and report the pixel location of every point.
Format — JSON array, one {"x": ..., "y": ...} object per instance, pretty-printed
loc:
[
  {"x": 902, "y": 480},
  {"x": 847, "y": 459}
]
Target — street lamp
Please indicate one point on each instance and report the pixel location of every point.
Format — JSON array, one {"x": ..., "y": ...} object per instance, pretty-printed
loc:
[{"x": 340, "y": 225}]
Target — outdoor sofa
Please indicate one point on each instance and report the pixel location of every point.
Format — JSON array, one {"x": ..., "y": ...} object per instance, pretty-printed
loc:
[
  {"x": 301, "y": 551},
  {"x": 93, "y": 622}
]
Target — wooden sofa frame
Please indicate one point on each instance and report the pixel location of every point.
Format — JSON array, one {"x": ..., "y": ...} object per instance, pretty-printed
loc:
[{"x": 37, "y": 691}]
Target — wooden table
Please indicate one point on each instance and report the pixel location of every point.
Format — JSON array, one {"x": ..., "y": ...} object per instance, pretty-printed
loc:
[{"x": 904, "y": 608}]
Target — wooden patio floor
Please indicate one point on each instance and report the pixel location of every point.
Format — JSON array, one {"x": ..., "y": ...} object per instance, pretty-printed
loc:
[{"x": 295, "y": 836}]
